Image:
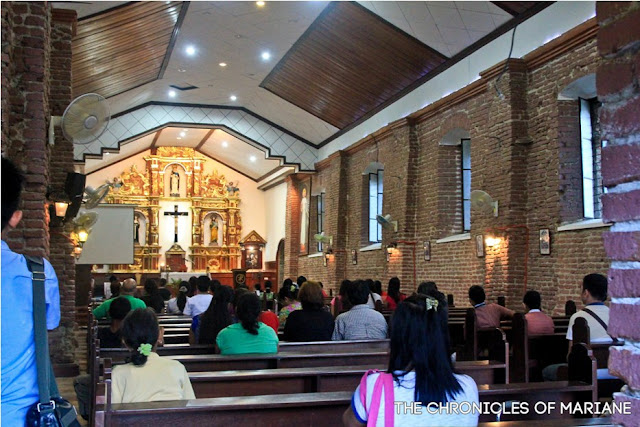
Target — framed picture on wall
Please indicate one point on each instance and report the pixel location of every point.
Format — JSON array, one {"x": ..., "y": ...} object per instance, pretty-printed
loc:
[
  {"x": 479, "y": 245},
  {"x": 354, "y": 257},
  {"x": 304, "y": 190},
  {"x": 427, "y": 250},
  {"x": 545, "y": 242}
]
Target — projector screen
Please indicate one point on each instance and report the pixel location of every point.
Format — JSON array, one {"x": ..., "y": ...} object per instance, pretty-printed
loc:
[{"x": 111, "y": 237}]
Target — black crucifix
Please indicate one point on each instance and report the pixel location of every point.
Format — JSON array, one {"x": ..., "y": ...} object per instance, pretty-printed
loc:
[{"x": 175, "y": 214}]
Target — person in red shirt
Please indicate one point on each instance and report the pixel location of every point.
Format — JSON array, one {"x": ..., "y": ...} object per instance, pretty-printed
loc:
[
  {"x": 488, "y": 315},
  {"x": 394, "y": 296},
  {"x": 538, "y": 323}
]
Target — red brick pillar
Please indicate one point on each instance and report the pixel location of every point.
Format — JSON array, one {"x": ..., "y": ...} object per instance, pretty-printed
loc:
[
  {"x": 617, "y": 82},
  {"x": 292, "y": 225},
  {"x": 62, "y": 339},
  {"x": 25, "y": 80}
]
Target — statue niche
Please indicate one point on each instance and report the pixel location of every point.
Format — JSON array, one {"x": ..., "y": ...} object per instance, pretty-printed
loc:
[
  {"x": 175, "y": 184},
  {"x": 213, "y": 230}
]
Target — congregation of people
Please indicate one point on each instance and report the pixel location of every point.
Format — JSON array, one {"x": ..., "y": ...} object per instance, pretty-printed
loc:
[{"x": 242, "y": 321}]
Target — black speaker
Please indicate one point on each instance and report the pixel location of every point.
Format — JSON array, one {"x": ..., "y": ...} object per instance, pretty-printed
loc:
[{"x": 74, "y": 187}]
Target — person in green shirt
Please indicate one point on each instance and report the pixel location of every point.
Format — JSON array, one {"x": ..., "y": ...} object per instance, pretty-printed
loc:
[
  {"x": 248, "y": 335},
  {"x": 127, "y": 290}
]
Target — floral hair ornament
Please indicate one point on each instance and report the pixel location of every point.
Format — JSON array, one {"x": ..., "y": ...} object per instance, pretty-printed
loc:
[
  {"x": 144, "y": 349},
  {"x": 432, "y": 303}
]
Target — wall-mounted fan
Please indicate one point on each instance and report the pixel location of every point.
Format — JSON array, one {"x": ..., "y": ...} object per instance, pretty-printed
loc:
[
  {"x": 386, "y": 222},
  {"x": 85, "y": 220},
  {"x": 483, "y": 202},
  {"x": 95, "y": 196},
  {"x": 323, "y": 239},
  {"x": 83, "y": 121}
]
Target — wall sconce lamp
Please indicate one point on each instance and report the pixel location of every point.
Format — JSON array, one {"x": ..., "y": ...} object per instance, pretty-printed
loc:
[
  {"x": 77, "y": 251},
  {"x": 491, "y": 241},
  {"x": 390, "y": 248},
  {"x": 58, "y": 207}
]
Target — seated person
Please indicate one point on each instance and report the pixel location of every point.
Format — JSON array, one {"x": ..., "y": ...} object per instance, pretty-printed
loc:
[
  {"x": 375, "y": 300},
  {"x": 313, "y": 322},
  {"x": 268, "y": 295},
  {"x": 110, "y": 336},
  {"x": 127, "y": 290},
  {"x": 200, "y": 301},
  {"x": 248, "y": 335},
  {"x": 152, "y": 296},
  {"x": 488, "y": 315},
  {"x": 341, "y": 303},
  {"x": 206, "y": 326},
  {"x": 394, "y": 296},
  {"x": 419, "y": 371},
  {"x": 361, "y": 322},
  {"x": 148, "y": 377},
  {"x": 163, "y": 291},
  {"x": 114, "y": 286},
  {"x": 177, "y": 304},
  {"x": 538, "y": 323},
  {"x": 288, "y": 297}
]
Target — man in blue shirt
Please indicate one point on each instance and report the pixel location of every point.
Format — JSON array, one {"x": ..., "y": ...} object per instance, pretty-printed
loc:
[{"x": 19, "y": 373}]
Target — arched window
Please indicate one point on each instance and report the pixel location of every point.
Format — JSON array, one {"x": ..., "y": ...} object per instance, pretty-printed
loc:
[
  {"x": 320, "y": 206},
  {"x": 454, "y": 205},
  {"x": 465, "y": 182},
  {"x": 591, "y": 156}
]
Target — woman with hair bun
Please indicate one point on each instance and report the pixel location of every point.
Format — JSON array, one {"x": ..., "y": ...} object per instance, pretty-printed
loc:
[
  {"x": 249, "y": 335},
  {"x": 147, "y": 377},
  {"x": 420, "y": 370}
]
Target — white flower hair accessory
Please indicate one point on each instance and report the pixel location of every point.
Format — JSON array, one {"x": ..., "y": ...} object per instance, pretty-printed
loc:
[{"x": 432, "y": 303}]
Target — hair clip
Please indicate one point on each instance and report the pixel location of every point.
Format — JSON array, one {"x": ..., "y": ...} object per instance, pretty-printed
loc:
[
  {"x": 144, "y": 349},
  {"x": 432, "y": 303},
  {"x": 293, "y": 288}
]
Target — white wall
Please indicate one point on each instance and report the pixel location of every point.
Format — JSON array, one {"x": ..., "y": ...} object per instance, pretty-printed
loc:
[{"x": 275, "y": 214}]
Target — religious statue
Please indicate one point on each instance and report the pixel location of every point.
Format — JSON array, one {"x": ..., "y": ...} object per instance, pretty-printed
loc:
[
  {"x": 304, "y": 220},
  {"x": 213, "y": 228},
  {"x": 136, "y": 229},
  {"x": 232, "y": 189},
  {"x": 174, "y": 182}
]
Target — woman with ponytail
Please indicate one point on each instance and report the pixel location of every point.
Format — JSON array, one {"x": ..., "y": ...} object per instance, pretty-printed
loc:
[
  {"x": 420, "y": 370},
  {"x": 248, "y": 335},
  {"x": 147, "y": 377}
]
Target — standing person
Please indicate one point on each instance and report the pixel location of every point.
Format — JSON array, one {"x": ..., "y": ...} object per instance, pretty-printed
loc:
[
  {"x": 127, "y": 290},
  {"x": 147, "y": 377},
  {"x": 200, "y": 301},
  {"x": 488, "y": 315},
  {"x": 19, "y": 372},
  {"x": 313, "y": 322},
  {"x": 538, "y": 323},
  {"x": 420, "y": 370},
  {"x": 248, "y": 335}
]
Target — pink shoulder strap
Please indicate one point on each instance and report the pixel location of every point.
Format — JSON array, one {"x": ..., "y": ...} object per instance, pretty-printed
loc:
[{"x": 383, "y": 384}]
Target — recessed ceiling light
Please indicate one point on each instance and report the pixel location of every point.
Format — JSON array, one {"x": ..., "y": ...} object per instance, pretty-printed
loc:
[
  {"x": 233, "y": 97},
  {"x": 182, "y": 70},
  {"x": 225, "y": 144},
  {"x": 178, "y": 138},
  {"x": 252, "y": 158},
  {"x": 185, "y": 130},
  {"x": 190, "y": 50},
  {"x": 171, "y": 93},
  {"x": 260, "y": 3},
  {"x": 266, "y": 55},
  {"x": 183, "y": 133},
  {"x": 223, "y": 64}
]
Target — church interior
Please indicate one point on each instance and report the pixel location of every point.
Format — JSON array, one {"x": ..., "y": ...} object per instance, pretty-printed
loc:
[{"x": 464, "y": 143}]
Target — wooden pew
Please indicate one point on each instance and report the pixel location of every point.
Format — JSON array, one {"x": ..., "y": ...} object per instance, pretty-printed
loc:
[{"x": 308, "y": 409}]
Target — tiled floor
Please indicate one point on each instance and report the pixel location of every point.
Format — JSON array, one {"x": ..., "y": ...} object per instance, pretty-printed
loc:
[{"x": 66, "y": 384}]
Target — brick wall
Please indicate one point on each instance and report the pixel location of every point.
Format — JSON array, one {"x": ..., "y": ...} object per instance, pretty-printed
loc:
[
  {"x": 619, "y": 90},
  {"x": 36, "y": 81},
  {"x": 523, "y": 153}
]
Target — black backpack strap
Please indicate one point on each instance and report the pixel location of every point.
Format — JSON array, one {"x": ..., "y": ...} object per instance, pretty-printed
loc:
[
  {"x": 36, "y": 267},
  {"x": 599, "y": 320}
]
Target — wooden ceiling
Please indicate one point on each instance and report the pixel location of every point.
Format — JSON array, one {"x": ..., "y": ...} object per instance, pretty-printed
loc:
[
  {"x": 125, "y": 47},
  {"x": 347, "y": 63}
]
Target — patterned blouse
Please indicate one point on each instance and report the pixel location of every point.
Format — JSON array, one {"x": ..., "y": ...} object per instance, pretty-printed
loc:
[{"x": 284, "y": 313}]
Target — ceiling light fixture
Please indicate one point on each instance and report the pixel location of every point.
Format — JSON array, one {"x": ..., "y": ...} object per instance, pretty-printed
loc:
[
  {"x": 183, "y": 133},
  {"x": 260, "y": 3},
  {"x": 225, "y": 144},
  {"x": 253, "y": 158},
  {"x": 223, "y": 64},
  {"x": 182, "y": 70},
  {"x": 190, "y": 50},
  {"x": 233, "y": 97},
  {"x": 178, "y": 138},
  {"x": 266, "y": 56},
  {"x": 171, "y": 93}
]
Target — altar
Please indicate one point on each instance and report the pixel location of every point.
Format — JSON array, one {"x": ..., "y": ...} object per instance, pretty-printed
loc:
[{"x": 184, "y": 218}]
